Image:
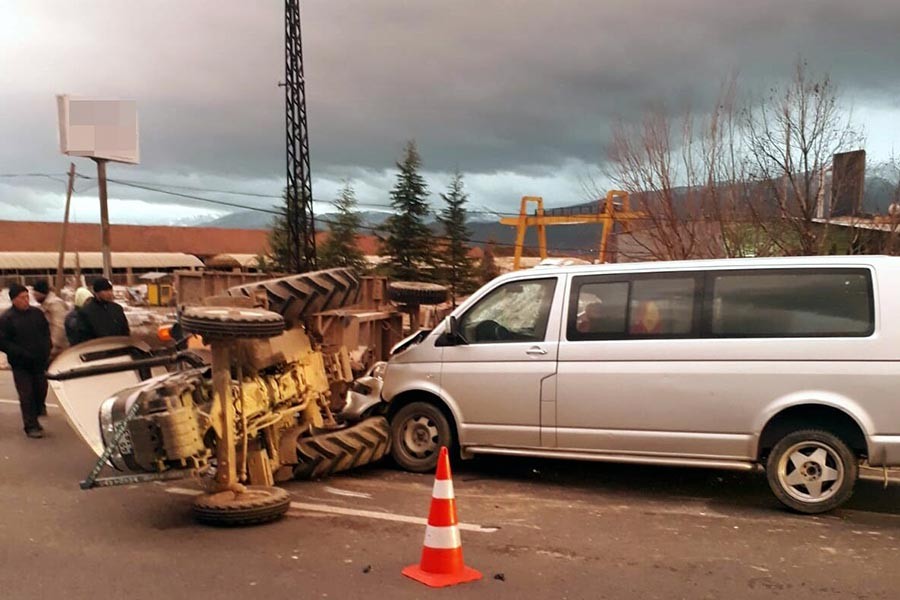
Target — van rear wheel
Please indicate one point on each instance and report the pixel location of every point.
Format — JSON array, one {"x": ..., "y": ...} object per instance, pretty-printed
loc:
[
  {"x": 812, "y": 471},
  {"x": 418, "y": 431}
]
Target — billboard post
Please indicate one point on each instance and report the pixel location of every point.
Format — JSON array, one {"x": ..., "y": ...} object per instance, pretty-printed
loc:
[
  {"x": 102, "y": 130},
  {"x": 104, "y": 218}
]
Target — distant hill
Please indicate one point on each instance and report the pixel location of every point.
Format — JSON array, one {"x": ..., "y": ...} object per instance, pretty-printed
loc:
[
  {"x": 570, "y": 239},
  {"x": 245, "y": 219},
  {"x": 254, "y": 219}
]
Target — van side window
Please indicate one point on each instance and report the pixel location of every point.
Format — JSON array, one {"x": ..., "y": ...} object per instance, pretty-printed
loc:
[
  {"x": 639, "y": 306},
  {"x": 792, "y": 303},
  {"x": 602, "y": 309},
  {"x": 517, "y": 311},
  {"x": 662, "y": 306}
]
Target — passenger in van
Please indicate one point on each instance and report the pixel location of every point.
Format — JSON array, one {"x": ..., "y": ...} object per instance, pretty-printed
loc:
[
  {"x": 588, "y": 320},
  {"x": 646, "y": 318}
]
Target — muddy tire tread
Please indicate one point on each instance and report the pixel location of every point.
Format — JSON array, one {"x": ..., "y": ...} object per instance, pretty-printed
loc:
[
  {"x": 298, "y": 297},
  {"x": 341, "y": 450}
]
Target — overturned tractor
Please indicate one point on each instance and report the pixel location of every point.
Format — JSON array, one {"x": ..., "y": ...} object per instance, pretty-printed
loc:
[{"x": 258, "y": 408}]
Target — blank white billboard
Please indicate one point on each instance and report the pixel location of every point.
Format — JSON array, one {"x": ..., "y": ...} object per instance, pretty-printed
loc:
[{"x": 97, "y": 128}]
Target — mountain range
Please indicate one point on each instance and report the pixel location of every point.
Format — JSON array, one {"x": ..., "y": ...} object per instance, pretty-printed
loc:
[{"x": 569, "y": 239}]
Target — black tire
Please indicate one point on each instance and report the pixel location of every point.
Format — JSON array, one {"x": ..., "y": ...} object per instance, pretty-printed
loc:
[
  {"x": 320, "y": 455},
  {"x": 298, "y": 297},
  {"x": 820, "y": 476},
  {"x": 226, "y": 322},
  {"x": 257, "y": 505},
  {"x": 418, "y": 431},
  {"x": 416, "y": 292}
]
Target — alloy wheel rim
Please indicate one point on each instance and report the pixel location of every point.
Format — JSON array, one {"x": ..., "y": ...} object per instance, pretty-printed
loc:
[{"x": 811, "y": 472}]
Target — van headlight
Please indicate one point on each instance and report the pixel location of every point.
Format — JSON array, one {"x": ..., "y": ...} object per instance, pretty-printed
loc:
[{"x": 378, "y": 370}]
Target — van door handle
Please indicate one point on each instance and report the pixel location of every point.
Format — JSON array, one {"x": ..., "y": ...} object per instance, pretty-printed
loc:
[{"x": 536, "y": 350}]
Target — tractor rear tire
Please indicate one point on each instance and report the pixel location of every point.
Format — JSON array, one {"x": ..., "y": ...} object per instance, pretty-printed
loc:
[
  {"x": 335, "y": 451},
  {"x": 226, "y": 322},
  {"x": 298, "y": 297},
  {"x": 257, "y": 505}
]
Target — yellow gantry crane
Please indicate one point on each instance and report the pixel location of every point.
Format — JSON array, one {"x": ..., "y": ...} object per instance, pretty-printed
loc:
[{"x": 608, "y": 214}]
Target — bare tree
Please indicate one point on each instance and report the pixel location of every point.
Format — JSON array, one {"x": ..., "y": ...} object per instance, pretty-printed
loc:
[
  {"x": 889, "y": 230},
  {"x": 689, "y": 176},
  {"x": 791, "y": 138}
]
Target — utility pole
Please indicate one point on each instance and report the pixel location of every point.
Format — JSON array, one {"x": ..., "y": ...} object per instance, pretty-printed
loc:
[
  {"x": 60, "y": 266},
  {"x": 299, "y": 216}
]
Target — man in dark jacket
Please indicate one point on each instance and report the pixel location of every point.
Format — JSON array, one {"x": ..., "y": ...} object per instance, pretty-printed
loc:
[
  {"x": 102, "y": 316},
  {"x": 25, "y": 338}
]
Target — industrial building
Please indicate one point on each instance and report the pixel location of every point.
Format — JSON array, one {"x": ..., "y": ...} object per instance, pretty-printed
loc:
[{"x": 29, "y": 250}]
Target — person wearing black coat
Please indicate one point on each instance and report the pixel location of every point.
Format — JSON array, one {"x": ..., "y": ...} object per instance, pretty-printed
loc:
[
  {"x": 102, "y": 316},
  {"x": 25, "y": 338}
]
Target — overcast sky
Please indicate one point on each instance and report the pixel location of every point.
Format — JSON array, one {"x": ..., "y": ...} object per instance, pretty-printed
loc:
[{"x": 517, "y": 95}]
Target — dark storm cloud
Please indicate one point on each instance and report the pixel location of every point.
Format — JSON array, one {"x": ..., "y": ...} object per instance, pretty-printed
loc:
[{"x": 485, "y": 86}]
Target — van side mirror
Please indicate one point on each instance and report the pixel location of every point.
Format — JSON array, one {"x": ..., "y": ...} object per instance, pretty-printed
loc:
[{"x": 454, "y": 336}]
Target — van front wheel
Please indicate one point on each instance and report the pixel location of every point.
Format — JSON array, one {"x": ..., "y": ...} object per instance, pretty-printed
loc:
[
  {"x": 418, "y": 431},
  {"x": 812, "y": 471}
]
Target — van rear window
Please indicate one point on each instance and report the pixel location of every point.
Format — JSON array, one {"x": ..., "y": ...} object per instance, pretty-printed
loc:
[{"x": 792, "y": 303}]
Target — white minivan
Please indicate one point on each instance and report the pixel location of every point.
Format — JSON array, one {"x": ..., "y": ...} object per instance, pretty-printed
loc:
[{"x": 788, "y": 363}]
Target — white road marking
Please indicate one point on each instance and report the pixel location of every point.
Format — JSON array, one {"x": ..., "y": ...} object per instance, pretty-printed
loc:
[
  {"x": 347, "y": 493},
  {"x": 16, "y": 402},
  {"x": 352, "y": 512}
]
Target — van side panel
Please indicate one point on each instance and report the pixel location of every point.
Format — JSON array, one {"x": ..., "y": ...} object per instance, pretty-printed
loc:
[{"x": 711, "y": 397}]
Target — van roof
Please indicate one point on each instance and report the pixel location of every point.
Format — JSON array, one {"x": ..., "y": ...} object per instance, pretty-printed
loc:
[{"x": 717, "y": 263}]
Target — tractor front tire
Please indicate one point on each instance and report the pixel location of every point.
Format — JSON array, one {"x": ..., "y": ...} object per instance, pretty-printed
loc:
[
  {"x": 417, "y": 293},
  {"x": 256, "y": 505},
  {"x": 226, "y": 322}
]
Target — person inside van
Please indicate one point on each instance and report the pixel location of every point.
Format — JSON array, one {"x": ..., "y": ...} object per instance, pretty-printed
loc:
[
  {"x": 588, "y": 320},
  {"x": 645, "y": 318}
]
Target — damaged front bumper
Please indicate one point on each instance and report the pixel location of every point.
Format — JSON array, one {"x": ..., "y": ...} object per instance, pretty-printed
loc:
[{"x": 364, "y": 393}]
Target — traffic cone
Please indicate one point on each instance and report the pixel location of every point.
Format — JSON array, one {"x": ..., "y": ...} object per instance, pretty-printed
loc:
[{"x": 442, "y": 559}]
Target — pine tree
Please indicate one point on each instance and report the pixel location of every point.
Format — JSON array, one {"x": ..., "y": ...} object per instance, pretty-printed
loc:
[
  {"x": 409, "y": 242},
  {"x": 341, "y": 249},
  {"x": 488, "y": 268},
  {"x": 456, "y": 266}
]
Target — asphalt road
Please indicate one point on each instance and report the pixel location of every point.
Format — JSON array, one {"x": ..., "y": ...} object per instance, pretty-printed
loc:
[{"x": 535, "y": 528}]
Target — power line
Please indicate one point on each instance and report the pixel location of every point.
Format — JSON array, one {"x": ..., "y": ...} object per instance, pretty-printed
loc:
[
  {"x": 43, "y": 175},
  {"x": 321, "y": 219},
  {"x": 152, "y": 188},
  {"x": 193, "y": 197},
  {"x": 478, "y": 209},
  {"x": 192, "y": 188}
]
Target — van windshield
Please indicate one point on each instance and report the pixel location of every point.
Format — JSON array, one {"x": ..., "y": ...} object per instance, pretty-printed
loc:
[{"x": 515, "y": 311}]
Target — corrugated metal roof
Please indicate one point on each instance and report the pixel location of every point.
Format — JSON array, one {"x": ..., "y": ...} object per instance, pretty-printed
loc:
[
  {"x": 35, "y": 236},
  {"x": 11, "y": 261}
]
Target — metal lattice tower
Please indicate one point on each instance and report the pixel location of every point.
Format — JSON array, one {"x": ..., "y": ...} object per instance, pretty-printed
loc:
[{"x": 301, "y": 228}]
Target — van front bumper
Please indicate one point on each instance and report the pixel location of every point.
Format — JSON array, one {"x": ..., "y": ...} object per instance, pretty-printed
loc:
[{"x": 364, "y": 393}]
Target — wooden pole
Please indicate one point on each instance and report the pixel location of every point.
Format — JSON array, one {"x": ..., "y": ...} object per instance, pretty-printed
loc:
[
  {"x": 104, "y": 218},
  {"x": 60, "y": 266}
]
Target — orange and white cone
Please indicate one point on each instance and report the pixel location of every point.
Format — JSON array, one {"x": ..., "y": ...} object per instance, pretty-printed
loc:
[{"x": 442, "y": 559}]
